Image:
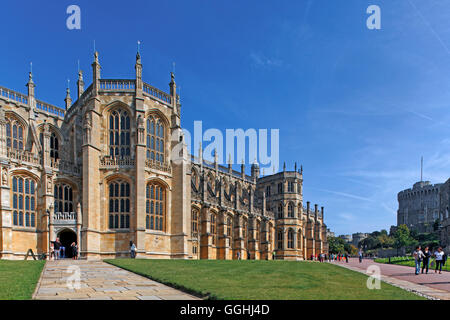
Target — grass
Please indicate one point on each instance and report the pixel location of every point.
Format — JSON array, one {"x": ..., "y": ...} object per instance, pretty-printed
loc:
[
  {"x": 262, "y": 280},
  {"x": 18, "y": 279}
]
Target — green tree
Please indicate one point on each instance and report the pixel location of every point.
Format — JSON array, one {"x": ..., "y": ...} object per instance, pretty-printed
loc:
[
  {"x": 336, "y": 245},
  {"x": 402, "y": 237}
]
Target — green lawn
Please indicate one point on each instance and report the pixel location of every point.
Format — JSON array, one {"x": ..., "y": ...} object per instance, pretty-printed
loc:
[
  {"x": 18, "y": 279},
  {"x": 265, "y": 280}
]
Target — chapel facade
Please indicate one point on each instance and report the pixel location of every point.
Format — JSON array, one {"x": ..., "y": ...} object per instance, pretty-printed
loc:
[{"x": 102, "y": 172}]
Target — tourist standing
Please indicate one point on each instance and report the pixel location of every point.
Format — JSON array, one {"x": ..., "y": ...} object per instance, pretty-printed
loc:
[
  {"x": 439, "y": 254},
  {"x": 62, "y": 251},
  {"x": 74, "y": 250},
  {"x": 426, "y": 259},
  {"x": 360, "y": 256},
  {"x": 57, "y": 248},
  {"x": 132, "y": 250},
  {"x": 238, "y": 255},
  {"x": 346, "y": 257},
  {"x": 418, "y": 255}
]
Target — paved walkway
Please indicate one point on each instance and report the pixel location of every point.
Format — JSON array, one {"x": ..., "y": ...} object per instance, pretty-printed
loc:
[
  {"x": 99, "y": 281},
  {"x": 433, "y": 285}
]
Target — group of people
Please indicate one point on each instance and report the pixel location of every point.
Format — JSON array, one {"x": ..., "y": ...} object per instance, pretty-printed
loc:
[
  {"x": 58, "y": 251},
  {"x": 337, "y": 257},
  {"x": 424, "y": 258}
]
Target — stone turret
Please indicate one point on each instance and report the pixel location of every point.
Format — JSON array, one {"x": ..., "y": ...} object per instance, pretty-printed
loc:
[
  {"x": 68, "y": 99},
  {"x": 80, "y": 84},
  {"x": 30, "y": 85}
]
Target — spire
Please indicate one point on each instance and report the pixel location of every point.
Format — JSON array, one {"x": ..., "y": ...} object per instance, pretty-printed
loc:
[
  {"x": 230, "y": 164},
  {"x": 284, "y": 166},
  {"x": 243, "y": 169},
  {"x": 30, "y": 85},
  {"x": 68, "y": 99},
  {"x": 301, "y": 169},
  {"x": 96, "y": 73},
  {"x": 80, "y": 83},
  {"x": 138, "y": 68},
  {"x": 295, "y": 167}
]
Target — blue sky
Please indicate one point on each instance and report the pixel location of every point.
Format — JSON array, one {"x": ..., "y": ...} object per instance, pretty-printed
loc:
[{"x": 357, "y": 107}]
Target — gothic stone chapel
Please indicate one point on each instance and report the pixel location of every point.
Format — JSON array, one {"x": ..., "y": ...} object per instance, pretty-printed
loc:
[{"x": 99, "y": 172}]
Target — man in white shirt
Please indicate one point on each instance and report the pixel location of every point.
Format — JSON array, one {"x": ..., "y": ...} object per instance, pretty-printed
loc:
[{"x": 418, "y": 256}]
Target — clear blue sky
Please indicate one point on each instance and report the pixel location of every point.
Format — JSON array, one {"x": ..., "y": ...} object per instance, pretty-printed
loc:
[{"x": 356, "y": 107}]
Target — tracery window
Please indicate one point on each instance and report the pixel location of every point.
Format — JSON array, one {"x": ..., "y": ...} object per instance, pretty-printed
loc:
[
  {"x": 155, "y": 207},
  {"x": 290, "y": 239},
  {"x": 290, "y": 186},
  {"x": 194, "y": 222},
  {"x": 54, "y": 147},
  {"x": 155, "y": 139},
  {"x": 299, "y": 239},
  {"x": 290, "y": 210},
  {"x": 14, "y": 134},
  {"x": 229, "y": 227},
  {"x": 280, "y": 211},
  {"x": 119, "y": 205},
  {"x": 280, "y": 239},
  {"x": 119, "y": 134},
  {"x": 24, "y": 201},
  {"x": 213, "y": 228},
  {"x": 63, "y": 198}
]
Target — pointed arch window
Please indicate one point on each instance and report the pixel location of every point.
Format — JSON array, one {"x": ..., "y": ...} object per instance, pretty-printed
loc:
[
  {"x": 155, "y": 139},
  {"x": 195, "y": 228},
  {"x": 229, "y": 227},
  {"x": 245, "y": 233},
  {"x": 299, "y": 239},
  {"x": 155, "y": 207},
  {"x": 119, "y": 205},
  {"x": 290, "y": 239},
  {"x": 119, "y": 134},
  {"x": 14, "y": 134},
  {"x": 280, "y": 211},
  {"x": 280, "y": 239},
  {"x": 24, "y": 201},
  {"x": 213, "y": 228},
  {"x": 63, "y": 195},
  {"x": 54, "y": 147},
  {"x": 290, "y": 210}
]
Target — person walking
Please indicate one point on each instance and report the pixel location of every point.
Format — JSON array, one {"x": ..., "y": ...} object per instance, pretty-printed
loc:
[
  {"x": 346, "y": 257},
  {"x": 426, "y": 259},
  {"x": 360, "y": 256},
  {"x": 439, "y": 254},
  {"x": 418, "y": 255},
  {"x": 57, "y": 248},
  {"x": 132, "y": 250}
]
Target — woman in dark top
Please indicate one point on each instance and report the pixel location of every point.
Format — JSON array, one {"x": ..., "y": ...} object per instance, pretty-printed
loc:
[
  {"x": 426, "y": 259},
  {"x": 74, "y": 251}
]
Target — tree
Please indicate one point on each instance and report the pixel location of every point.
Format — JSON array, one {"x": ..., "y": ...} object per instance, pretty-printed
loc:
[
  {"x": 336, "y": 245},
  {"x": 402, "y": 237}
]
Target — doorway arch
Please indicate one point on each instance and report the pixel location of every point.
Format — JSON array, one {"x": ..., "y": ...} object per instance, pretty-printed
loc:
[{"x": 67, "y": 237}]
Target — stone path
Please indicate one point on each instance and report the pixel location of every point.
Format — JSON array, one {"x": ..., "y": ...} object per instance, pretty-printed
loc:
[
  {"x": 433, "y": 285},
  {"x": 99, "y": 281}
]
